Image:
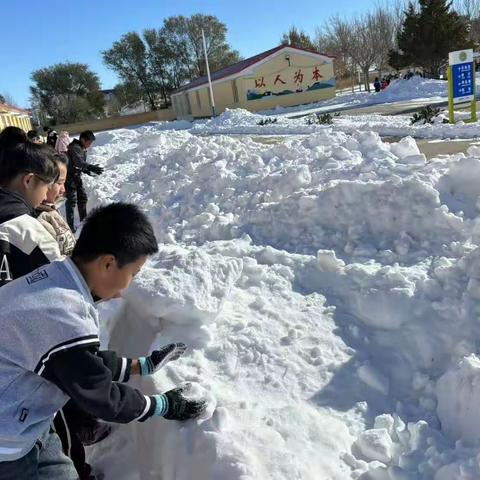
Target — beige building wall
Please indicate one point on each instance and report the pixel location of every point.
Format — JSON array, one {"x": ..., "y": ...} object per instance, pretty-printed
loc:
[
  {"x": 310, "y": 79},
  {"x": 117, "y": 122},
  {"x": 21, "y": 121}
]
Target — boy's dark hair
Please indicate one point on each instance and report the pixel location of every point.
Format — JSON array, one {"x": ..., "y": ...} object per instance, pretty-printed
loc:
[
  {"x": 27, "y": 157},
  {"x": 118, "y": 229},
  {"x": 61, "y": 158},
  {"x": 87, "y": 135},
  {"x": 11, "y": 136},
  {"x": 32, "y": 134}
]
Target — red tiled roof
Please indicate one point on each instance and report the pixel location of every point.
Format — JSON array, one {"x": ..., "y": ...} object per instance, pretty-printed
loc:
[
  {"x": 239, "y": 66},
  {"x": 8, "y": 108}
]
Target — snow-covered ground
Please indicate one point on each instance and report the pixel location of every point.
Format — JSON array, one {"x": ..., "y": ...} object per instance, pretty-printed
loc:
[
  {"x": 329, "y": 289},
  {"x": 417, "y": 88},
  {"x": 242, "y": 122}
]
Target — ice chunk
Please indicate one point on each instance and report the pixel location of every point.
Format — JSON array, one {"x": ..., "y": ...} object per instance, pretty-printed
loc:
[{"x": 375, "y": 444}]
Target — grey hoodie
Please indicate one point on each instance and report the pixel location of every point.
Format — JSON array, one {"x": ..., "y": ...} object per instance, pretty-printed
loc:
[{"x": 49, "y": 353}]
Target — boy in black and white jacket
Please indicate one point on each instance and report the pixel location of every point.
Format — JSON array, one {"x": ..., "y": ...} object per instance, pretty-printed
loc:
[{"x": 49, "y": 349}]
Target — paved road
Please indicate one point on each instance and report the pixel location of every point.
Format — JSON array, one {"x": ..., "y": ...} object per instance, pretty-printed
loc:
[{"x": 444, "y": 147}]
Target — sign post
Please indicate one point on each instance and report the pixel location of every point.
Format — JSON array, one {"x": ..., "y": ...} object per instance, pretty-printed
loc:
[
  {"x": 212, "y": 99},
  {"x": 461, "y": 83}
]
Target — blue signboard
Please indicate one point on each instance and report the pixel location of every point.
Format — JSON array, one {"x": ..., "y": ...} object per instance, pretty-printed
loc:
[{"x": 463, "y": 82}]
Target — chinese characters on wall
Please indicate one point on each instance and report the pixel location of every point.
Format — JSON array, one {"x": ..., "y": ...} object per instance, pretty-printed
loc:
[
  {"x": 298, "y": 77},
  {"x": 291, "y": 80}
]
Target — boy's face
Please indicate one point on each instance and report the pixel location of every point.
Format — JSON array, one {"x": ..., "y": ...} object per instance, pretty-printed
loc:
[
  {"x": 86, "y": 144},
  {"x": 112, "y": 279}
]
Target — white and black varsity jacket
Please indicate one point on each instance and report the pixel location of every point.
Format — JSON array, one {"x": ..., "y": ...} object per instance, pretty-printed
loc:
[
  {"x": 49, "y": 353},
  {"x": 25, "y": 244}
]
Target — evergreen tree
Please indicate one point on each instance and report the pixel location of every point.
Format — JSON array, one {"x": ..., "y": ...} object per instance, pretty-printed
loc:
[
  {"x": 428, "y": 35},
  {"x": 297, "y": 38}
]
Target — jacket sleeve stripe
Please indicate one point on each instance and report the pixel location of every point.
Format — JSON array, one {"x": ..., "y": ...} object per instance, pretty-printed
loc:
[
  {"x": 121, "y": 378},
  {"x": 148, "y": 404},
  {"x": 87, "y": 340}
]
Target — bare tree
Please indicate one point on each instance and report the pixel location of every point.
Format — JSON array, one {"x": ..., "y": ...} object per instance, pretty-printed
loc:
[
  {"x": 469, "y": 8},
  {"x": 333, "y": 38},
  {"x": 362, "y": 42},
  {"x": 8, "y": 99}
]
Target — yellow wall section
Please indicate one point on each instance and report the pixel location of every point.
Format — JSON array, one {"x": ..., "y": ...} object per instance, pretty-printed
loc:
[
  {"x": 299, "y": 75},
  {"x": 7, "y": 120}
]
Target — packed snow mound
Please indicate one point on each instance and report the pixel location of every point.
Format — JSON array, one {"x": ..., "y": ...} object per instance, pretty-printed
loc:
[
  {"x": 233, "y": 118},
  {"x": 398, "y": 90},
  {"x": 415, "y": 87},
  {"x": 184, "y": 285},
  {"x": 328, "y": 289},
  {"x": 458, "y": 392},
  {"x": 243, "y": 122},
  {"x": 368, "y": 198},
  {"x": 460, "y": 187}
]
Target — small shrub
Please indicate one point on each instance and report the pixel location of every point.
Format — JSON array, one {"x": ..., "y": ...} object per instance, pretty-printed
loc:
[
  {"x": 425, "y": 115},
  {"x": 267, "y": 121},
  {"x": 321, "y": 118}
]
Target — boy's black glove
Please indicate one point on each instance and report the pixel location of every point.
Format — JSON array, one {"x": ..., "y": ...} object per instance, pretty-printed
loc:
[
  {"x": 173, "y": 405},
  {"x": 95, "y": 169},
  {"x": 159, "y": 358}
]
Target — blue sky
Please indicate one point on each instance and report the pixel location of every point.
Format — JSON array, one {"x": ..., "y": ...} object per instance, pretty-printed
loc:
[{"x": 39, "y": 34}]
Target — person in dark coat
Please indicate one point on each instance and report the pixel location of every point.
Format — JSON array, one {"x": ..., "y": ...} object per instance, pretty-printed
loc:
[
  {"x": 74, "y": 189},
  {"x": 52, "y": 136},
  {"x": 377, "y": 85}
]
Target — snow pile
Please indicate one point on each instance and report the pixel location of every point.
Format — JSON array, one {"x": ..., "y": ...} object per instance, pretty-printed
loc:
[
  {"x": 398, "y": 90},
  {"x": 182, "y": 286},
  {"x": 328, "y": 288},
  {"x": 415, "y": 87},
  {"x": 368, "y": 199},
  {"x": 242, "y": 122}
]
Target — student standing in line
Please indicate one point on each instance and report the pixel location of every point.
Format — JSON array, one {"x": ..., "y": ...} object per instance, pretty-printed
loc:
[{"x": 27, "y": 171}]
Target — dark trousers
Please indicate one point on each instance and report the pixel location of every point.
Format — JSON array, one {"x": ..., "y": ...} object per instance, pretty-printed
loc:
[
  {"x": 68, "y": 423},
  {"x": 46, "y": 461},
  {"x": 75, "y": 193}
]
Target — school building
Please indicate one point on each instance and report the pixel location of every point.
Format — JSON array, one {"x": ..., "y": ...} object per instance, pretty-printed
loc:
[
  {"x": 283, "y": 76},
  {"x": 12, "y": 116}
]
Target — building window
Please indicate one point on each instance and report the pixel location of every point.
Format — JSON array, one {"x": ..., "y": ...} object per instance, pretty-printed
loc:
[
  {"x": 199, "y": 103},
  {"x": 235, "y": 91}
]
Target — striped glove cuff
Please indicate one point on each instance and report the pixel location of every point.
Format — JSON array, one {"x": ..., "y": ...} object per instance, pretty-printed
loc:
[
  {"x": 146, "y": 365},
  {"x": 162, "y": 405}
]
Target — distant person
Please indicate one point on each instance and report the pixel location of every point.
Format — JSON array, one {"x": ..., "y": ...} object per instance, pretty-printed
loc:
[
  {"x": 376, "y": 84},
  {"x": 77, "y": 164},
  {"x": 10, "y": 136},
  {"x": 63, "y": 141},
  {"x": 383, "y": 84},
  {"x": 51, "y": 136},
  {"x": 34, "y": 137}
]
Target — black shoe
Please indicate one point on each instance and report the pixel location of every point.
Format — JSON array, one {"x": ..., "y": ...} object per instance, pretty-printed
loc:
[{"x": 93, "y": 433}]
